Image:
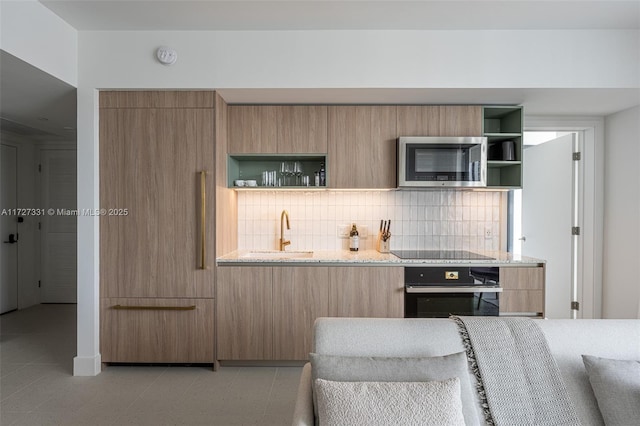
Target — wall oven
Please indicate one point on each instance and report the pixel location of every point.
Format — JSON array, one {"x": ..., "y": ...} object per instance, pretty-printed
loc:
[{"x": 438, "y": 292}]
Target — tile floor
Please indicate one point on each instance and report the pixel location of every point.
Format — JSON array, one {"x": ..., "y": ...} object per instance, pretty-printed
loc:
[{"x": 37, "y": 346}]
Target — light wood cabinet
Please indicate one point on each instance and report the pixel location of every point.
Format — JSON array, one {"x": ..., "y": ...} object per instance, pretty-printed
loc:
[
  {"x": 252, "y": 129},
  {"x": 362, "y": 146},
  {"x": 300, "y": 295},
  {"x": 153, "y": 148},
  {"x": 418, "y": 120},
  {"x": 267, "y": 313},
  {"x": 439, "y": 120},
  {"x": 302, "y": 129},
  {"x": 244, "y": 313},
  {"x": 270, "y": 129},
  {"x": 157, "y": 330},
  {"x": 460, "y": 120},
  {"x": 523, "y": 290},
  {"x": 366, "y": 292}
]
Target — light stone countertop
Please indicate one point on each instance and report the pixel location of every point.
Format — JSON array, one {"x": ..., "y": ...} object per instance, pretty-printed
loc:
[{"x": 363, "y": 258}]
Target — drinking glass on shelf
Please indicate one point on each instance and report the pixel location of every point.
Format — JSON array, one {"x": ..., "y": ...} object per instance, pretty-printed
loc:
[{"x": 297, "y": 170}]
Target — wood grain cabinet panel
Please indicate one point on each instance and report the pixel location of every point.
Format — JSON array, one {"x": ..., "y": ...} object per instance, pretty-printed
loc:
[
  {"x": 300, "y": 295},
  {"x": 523, "y": 290},
  {"x": 418, "y": 120},
  {"x": 244, "y": 313},
  {"x": 150, "y": 167},
  {"x": 151, "y": 331},
  {"x": 252, "y": 129},
  {"x": 301, "y": 129},
  {"x": 366, "y": 292},
  {"x": 153, "y": 147},
  {"x": 362, "y": 147},
  {"x": 461, "y": 120}
]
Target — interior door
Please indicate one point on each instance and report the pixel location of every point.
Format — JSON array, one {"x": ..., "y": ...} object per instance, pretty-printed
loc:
[
  {"x": 547, "y": 217},
  {"x": 59, "y": 254},
  {"x": 8, "y": 231}
]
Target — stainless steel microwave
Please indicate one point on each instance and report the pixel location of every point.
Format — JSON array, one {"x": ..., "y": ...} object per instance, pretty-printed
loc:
[{"x": 436, "y": 162}]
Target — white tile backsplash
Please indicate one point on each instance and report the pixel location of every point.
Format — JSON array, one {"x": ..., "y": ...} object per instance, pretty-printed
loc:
[{"x": 419, "y": 219}]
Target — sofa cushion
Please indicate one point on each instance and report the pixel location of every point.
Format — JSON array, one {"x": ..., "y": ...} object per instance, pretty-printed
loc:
[
  {"x": 398, "y": 369},
  {"x": 616, "y": 384},
  {"x": 435, "y": 403}
]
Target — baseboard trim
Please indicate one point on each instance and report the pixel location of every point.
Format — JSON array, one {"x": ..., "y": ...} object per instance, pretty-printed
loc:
[{"x": 87, "y": 366}]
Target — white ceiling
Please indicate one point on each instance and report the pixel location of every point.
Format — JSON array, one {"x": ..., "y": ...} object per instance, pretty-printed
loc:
[
  {"x": 347, "y": 15},
  {"x": 28, "y": 93}
]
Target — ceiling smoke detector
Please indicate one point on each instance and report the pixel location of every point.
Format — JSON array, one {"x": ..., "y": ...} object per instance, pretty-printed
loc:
[{"x": 166, "y": 55}]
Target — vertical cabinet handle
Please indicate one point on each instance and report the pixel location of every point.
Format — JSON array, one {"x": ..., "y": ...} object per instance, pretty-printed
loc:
[{"x": 203, "y": 220}]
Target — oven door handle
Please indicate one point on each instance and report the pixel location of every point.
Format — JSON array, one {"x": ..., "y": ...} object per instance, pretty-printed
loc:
[{"x": 432, "y": 289}]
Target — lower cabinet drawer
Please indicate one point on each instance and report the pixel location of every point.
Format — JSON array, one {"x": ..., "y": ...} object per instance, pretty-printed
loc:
[{"x": 157, "y": 330}]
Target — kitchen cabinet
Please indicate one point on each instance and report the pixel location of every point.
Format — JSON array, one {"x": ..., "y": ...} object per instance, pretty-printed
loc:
[
  {"x": 157, "y": 330},
  {"x": 157, "y": 169},
  {"x": 244, "y": 313},
  {"x": 439, "y": 120},
  {"x": 252, "y": 129},
  {"x": 523, "y": 290},
  {"x": 300, "y": 295},
  {"x": 418, "y": 120},
  {"x": 503, "y": 124},
  {"x": 362, "y": 146},
  {"x": 302, "y": 129},
  {"x": 272, "y": 129},
  {"x": 358, "y": 291},
  {"x": 460, "y": 120},
  {"x": 267, "y": 313}
]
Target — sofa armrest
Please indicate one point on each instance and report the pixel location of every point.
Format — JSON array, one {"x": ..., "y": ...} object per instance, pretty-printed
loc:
[{"x": 303, "y": 412}]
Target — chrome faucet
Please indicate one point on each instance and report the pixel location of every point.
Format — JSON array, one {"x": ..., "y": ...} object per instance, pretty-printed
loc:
[{"x": 283, "y": 242}]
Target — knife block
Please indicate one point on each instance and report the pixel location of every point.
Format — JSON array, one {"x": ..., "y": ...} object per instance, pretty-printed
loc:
[{"x": 381, "y": 245}]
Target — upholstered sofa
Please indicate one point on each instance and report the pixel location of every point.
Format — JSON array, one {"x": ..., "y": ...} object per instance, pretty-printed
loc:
[{"x": 568, "y": 340}]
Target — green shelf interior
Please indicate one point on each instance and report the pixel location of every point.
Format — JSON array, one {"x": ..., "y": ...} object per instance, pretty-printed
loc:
[
  {"x": 502, "y": 124},
  {"x": 248, "y": 167}
]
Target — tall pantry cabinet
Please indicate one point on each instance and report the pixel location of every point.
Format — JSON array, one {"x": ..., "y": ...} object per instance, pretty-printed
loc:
[{"x": 157, "y": 233}]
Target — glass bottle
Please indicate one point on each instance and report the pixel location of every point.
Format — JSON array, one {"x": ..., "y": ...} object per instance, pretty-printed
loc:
[{"x": 354, "y": 239}]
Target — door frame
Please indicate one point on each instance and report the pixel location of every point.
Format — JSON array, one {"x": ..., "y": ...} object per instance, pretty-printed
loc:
[{"x": 592, "y": 231}]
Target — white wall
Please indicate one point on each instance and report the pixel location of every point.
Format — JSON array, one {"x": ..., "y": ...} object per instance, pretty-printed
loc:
[
  {"x": 36, "y": 35},
  {"x": 621, "y": 284},
  {"x": 319, "y": 59},
  {"x": 370, "y": 59}
]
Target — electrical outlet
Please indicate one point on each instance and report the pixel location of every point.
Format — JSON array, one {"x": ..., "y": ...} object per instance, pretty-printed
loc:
[
  {"x": 343, "y": 231},
  {"x": 488, "y": 233}
]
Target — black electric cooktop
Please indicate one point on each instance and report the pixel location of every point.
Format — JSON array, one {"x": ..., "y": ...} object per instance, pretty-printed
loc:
[{"x": 440, "y": 254}]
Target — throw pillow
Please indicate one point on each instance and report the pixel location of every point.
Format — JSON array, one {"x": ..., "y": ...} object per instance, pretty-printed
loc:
[
  {"x": 616, "y": 384},
  {"x": 434, "y": 403},
  {"x": 379, "y": 369}
]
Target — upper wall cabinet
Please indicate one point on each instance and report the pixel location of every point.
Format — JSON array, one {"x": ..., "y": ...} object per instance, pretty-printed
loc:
[
  {"x": 460, "y": 120},
  {"x": 252, "y": 129},
  {"x": 418, "y": 120},
  {"x": 362, "y": 146},
  {"x": 271, "y": 129},
  {"x": 435, "y": 120},
  {"x": 302, "y": 129}
]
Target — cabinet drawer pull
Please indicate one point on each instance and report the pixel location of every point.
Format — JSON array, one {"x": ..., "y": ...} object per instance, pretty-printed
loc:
[
  {"x": 154, "y": 308},
  {"x": 203, "y": 220}
]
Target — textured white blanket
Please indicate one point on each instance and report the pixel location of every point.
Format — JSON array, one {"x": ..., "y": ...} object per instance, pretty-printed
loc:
[{"x": 518, "y": 380}]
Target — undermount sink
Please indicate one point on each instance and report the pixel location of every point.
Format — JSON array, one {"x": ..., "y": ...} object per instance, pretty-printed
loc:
[{"x": 277, "y": 255}]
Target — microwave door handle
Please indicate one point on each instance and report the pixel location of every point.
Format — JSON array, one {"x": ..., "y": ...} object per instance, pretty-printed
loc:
[{"x": 431, "y": 289}]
